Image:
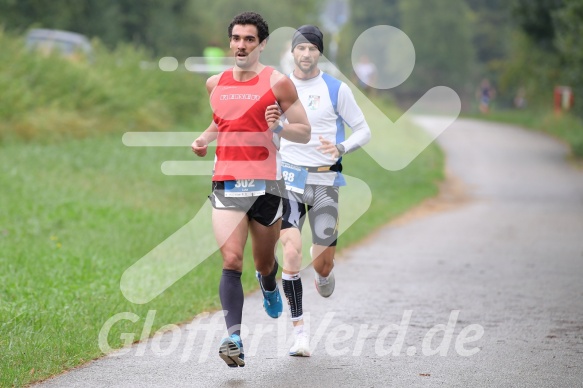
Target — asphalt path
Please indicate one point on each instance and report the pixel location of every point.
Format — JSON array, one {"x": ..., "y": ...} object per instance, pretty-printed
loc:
[{"x": 481, "y": 287}]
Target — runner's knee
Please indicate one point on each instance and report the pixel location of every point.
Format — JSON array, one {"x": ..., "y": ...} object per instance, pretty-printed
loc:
[
  {"x": 232, "y": 260},
  {"x": 264, "y": 267}
]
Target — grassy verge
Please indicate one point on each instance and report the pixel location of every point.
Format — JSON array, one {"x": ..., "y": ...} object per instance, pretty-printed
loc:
[
  {"x": 565, "y": 127},
  {"x": 78, "y": 212}
]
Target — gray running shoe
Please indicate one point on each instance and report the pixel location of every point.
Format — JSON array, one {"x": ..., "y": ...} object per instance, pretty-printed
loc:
[{"x": 325, "y": 286}]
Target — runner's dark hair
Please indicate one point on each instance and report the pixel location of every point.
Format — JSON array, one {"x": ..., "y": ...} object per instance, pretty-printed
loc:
[{"x": 252, "y": 18}]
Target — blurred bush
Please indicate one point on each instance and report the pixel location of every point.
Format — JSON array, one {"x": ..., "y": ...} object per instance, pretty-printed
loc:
[{"x": 49, "y": 97}]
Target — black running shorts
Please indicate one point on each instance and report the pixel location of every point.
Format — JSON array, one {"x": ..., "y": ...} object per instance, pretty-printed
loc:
[{"x": 265, "y": 209}]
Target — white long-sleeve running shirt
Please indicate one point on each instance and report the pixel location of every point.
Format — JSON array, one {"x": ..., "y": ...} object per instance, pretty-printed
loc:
[{"x": 316, "y": 95}]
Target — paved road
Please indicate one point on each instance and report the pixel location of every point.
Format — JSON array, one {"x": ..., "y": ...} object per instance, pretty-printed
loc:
[{"x": 485, "y": 292}]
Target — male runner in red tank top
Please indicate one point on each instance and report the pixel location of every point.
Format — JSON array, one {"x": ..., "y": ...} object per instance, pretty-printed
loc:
[{"x": 247, "y": 185}]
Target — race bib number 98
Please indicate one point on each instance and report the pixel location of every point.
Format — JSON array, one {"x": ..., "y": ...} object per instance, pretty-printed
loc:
[{"x": 294, "y": 176}]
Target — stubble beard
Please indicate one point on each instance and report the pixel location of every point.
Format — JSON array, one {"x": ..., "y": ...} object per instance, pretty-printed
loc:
[{"x": 306, "y": 70}]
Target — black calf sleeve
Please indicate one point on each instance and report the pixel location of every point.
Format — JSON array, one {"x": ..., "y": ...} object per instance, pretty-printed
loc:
[
  {"x": 292, "y": 288},
  {"x": 269, "y": 282},
  {"x": 232, "y": 297}
]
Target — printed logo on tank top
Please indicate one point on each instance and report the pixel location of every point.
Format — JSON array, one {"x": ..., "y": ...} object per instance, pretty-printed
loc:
[
  {"x": 252, "y": 97},
  {"x": 313, "y": 102}
]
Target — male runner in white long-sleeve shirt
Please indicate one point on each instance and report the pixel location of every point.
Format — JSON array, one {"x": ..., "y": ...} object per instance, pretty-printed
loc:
[{"x": 312, "y": 173}]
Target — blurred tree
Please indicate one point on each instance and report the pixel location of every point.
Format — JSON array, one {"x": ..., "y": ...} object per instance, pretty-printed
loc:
[
  {"x": 374, "y": 13},
  {"x": 530, "y": 68},
  {"x": 178, "y": 28},
  {"x": 153, "y": 24},
  {"x": 362, "y": 17},
  {"x": 552, "y": 30},
  {"x": 20, "y": 14},
  {"x": 492, "y": 27},
  {"x": 534, "y": 17},
  {"x": 568, "y": 23},
  {"x": 492, "y": 32},
  {"x": 442, "y": 35}
]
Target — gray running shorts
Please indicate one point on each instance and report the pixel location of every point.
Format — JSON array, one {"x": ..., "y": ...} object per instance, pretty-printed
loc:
[{"x": 321, "y": 205}]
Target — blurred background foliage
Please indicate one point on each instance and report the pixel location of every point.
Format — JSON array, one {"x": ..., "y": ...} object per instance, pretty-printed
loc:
[{"x": 526, "y": 46}]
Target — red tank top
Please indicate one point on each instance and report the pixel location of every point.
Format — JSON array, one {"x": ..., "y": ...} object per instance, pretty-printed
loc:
[{"x": 245, "y": 147}]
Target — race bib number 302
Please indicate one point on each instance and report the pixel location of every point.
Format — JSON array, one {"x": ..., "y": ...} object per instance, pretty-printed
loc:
[
  {"x": 294, "y": 176},
  {"x": 245, "y": 188}
]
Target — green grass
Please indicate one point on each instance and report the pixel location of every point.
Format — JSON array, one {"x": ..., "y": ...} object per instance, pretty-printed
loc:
[
  {"x": 77, "y": 213},
  {"x": 565, "y": 127},
  {"x": 74, "y": 216}
]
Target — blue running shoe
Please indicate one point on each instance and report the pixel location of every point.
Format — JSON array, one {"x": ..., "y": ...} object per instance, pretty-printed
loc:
[
  {"x": 231, "y": 351},
  {"x": 271, "y": 299}
]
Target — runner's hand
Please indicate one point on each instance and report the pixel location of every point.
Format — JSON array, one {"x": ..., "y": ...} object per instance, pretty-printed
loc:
[
  {"x": 272, "y": 115},
  {"x": 199, "y": 147},
  {"x": 328, "y": 147}
]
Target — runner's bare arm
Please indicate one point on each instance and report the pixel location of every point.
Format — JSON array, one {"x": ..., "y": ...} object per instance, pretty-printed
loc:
[
  {"x": 297, "y": 129},
  {"x": 200, "y": 145}
]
